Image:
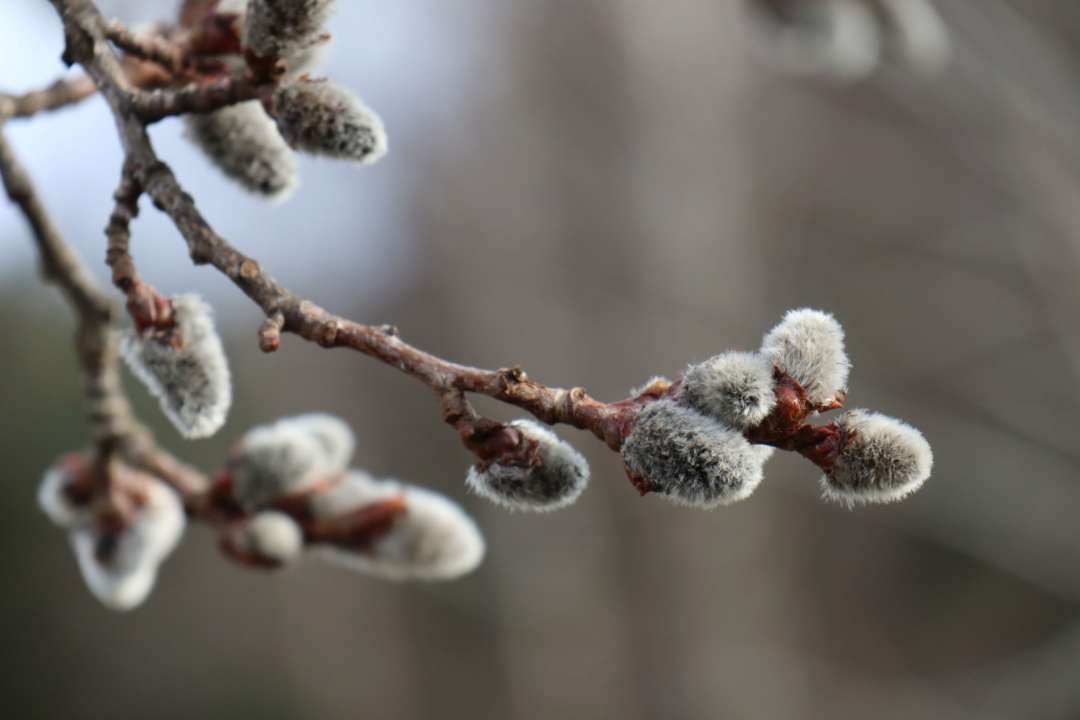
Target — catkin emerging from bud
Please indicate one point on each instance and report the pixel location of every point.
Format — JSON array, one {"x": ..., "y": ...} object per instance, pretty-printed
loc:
[
  {"x": 319, "y": 117},
  {"x": 276, "y": 461},
  {"x": 556, "y": 479},
  {"x": 884, "y": 460},
  {"x": 334, "y": 437},
  {"x": 433, "y": 540},
  {"x": 272, "y": 537},
  {"x": 809, "y": 346},
  {"x": 54, "y": 497},
  {"x": 185, "y": 368},
  {"x": 690, "y": 458},
  {"x": 120, "y": 565},
  {"x": 245, "y": 144},
  {"x": 278, "y": 28},
  {"x": 735, "y": 388}
]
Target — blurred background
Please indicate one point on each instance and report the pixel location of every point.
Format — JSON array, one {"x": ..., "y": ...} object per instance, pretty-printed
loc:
[{"x": 601, "y": 192}]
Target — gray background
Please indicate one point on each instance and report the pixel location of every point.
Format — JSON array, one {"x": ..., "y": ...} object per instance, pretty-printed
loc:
[{"x": 604, "y": 191}]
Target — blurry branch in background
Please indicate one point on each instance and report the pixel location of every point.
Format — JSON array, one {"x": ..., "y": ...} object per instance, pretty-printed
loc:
[{"x": 238, "y": 73}]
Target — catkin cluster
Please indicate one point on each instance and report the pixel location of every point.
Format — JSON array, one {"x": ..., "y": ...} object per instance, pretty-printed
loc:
[
  {"x": 121, "y": 531},
  {"x": 252, "y": 142},
  {"x": 691, "y": 445},
  {"x": 293, "y": 482}
]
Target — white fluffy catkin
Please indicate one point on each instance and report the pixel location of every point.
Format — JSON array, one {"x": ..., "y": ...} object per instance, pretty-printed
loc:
[
  {"x": 884, "y": 461},
  {"x": 273, "y": 536},
  {"x": 187, "y": 371},
  {"x": 332, "y": 434},
  {"x": 319, "y": 117},
  {"x": 559, "y": 477},
  {"x": 433, "y": 540},
  {"x": 275, "y": 461},
  {"x": 809, "y": 346},
  {"x": 692, "y": 459},
  {"x": 120, "y": 569},
  {"x": 279, "y": 28},
  {"x": 735, "y": 388},
  {"x": 245, "y": 145}
]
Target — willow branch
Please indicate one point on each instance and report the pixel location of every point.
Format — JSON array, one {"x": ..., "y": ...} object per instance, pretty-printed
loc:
[
  {"x": 60, "y": 94},
  {"x": 87, "y": 45}
]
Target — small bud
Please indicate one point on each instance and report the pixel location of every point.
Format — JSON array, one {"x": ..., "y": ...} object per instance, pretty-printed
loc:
[
  {"x": 278, "y": 28},
  {"x": 551, "y": 478},
  {"x": 275, "y": 461},
  {"x": 184, "y": 366},
  {"x": 332, "y": 434},
  {"x": 119, "y": 564},
  {"x": 881, "y": 460},
  {"x": 808, "y": 345},
  {"x": 735, "y": 388},
  {"x": 59, "y": 491},
  {"x": 689, "y": 458},
  {"x": 432, "y": 540},
  {"x": 272, "y": 538},
  {"x": 245, "y": 145},
  {"x": 319, "y": 117}
]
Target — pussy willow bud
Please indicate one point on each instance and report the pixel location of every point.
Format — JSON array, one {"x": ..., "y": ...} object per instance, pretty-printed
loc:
[
  {"x": 277, "y": 28},
  {"x": 883, "y": 460},
  {"x": 735, "y": 388},
  {"x": 839, "y": 39},
  {"x": 185, "y": 368},
  {"x": 332, "y": 434},
  {"x": 432, "y": 540},
  {"x": 272, "y": 537},
  {"x": 691, "y": 459},
  {"x": 808, "y": 345},
  {"x": 319, "y": 117},
  {"x": 120, "y": 565},
  {"x": 245, "y": 145},
  {"x": 555, "y": 477},
  {"x": 275, "y": 461}
]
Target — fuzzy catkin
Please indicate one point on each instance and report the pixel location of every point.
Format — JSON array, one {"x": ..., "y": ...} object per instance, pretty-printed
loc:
[
  {"x": 279, "y": 28},
  {"x": 275, "y": 461},
  {"x": 692, "y": 459},
  {"x": 334, "y": 437},
  {"x": 186, "y": 370},
  {"x": 120, "y": 568},
  {"x": 885, "y": 460},
  {"x": 319, "y": 117},
  {"x": 245, "y": 145},
  {"x": 433, "y": 540},
  {"x": 735, "y": 388},
  {"x": 809, "y": 346},
  {"x": 557, "y": 479},
  {"x": 273, "y": 537}
]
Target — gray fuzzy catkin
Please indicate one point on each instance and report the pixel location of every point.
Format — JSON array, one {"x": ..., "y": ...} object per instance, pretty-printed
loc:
[
  {"x": 692, "y": 459},
  {"x": 331, "y": 433},
  {"x": 809, "y": 346},
  {"x": 735, "y": 388},
  {"x": 275, "y": 461},
  {"x": 188, "y": 371},
  {"x": 884, "y": 461},
  {"x": 558, "y": 478},
  {"x": 433, "y": 540},
  {"x": 278, "y": 28},
  {"x": 319, "y": 117},
  {"x": 245, "y": 145},
  {"x": 273, "y": 536}
]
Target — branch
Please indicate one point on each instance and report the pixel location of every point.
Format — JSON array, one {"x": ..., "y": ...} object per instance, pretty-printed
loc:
[
  {"x": 86, "y": 33},
  {"x": 63, "y": 92}
]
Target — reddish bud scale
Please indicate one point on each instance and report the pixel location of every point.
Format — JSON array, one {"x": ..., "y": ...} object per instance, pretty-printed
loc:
[
  {"x": 231, "y": 543},
  {"x": 359, "y": 529}
]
